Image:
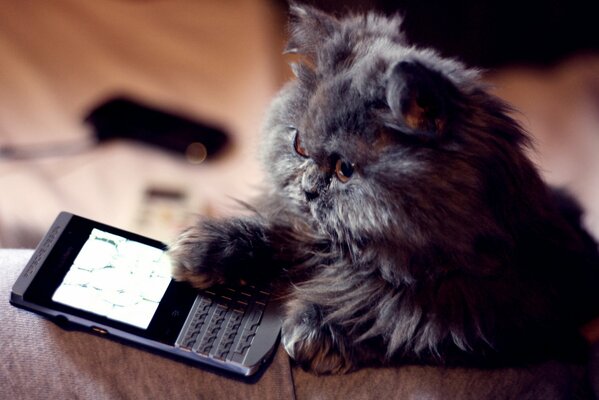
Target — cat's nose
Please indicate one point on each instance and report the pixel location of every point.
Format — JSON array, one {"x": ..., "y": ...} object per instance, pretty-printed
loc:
[
  {"x": 311, "y": 182},
  {"x": 310, "y": 195}
]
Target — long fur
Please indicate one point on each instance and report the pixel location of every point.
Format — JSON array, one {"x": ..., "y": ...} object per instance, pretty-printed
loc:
[{"x": 443, "y": 245}]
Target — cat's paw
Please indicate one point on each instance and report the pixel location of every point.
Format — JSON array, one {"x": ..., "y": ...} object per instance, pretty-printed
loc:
[
  {"x": 189, "y": 259},
  {"x": 315, "y": 348}
]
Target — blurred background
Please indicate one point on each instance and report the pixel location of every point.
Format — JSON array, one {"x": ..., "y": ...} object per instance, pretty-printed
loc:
[{"x": 219, "y": 63}]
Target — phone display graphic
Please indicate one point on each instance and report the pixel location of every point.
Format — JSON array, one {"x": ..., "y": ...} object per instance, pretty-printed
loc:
[{"x": 117, "y": 278}]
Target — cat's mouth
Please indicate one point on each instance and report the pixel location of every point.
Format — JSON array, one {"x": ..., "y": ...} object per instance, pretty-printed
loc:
[{"x": 320, "y": 210}]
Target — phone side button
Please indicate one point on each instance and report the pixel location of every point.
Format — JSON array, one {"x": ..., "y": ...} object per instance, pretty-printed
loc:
[{"x": 99, "y": 330}]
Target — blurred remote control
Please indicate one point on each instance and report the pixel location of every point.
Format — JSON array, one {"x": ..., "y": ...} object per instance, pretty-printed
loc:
[{"x": 123, "y": 118}]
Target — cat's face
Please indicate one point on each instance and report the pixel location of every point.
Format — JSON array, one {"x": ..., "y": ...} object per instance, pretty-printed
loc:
[{"x": 377, "y": 140}]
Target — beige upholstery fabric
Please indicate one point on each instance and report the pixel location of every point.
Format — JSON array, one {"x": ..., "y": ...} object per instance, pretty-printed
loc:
[{"x": 42, "y": 361}]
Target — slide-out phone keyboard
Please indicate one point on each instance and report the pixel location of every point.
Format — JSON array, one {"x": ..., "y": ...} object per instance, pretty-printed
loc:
[{"x": 223, "y": 322}]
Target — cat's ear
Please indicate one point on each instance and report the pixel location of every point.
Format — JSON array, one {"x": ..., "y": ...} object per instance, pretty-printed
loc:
[
  {"x": 308, "y": 27},
  {"x": 420, "y": 98}
]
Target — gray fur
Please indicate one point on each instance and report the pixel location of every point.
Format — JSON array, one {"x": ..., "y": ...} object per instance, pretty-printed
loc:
[{"x": 443, "y": 246}]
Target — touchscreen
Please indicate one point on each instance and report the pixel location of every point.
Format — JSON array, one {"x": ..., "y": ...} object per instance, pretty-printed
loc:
[{"x": 117, "y": 278}]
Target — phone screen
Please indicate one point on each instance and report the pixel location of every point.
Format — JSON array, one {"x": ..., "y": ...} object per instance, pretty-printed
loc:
[{"x": 117, "y": 278}]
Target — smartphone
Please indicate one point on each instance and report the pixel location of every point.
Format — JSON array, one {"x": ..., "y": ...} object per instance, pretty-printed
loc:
[{"x": 101, "y": 279}]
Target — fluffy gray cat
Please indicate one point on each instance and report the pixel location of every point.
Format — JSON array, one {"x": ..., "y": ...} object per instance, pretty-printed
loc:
[{"x": 402, "y": 220}]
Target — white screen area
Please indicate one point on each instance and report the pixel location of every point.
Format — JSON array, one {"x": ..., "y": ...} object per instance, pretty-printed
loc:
[{"x": 116, "y": 278}]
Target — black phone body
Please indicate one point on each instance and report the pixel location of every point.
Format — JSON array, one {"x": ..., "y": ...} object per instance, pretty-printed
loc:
[{"x": 116, "y": 283}]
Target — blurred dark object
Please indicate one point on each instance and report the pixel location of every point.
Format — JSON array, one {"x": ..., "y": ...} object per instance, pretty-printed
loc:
[
  {"x": 123, "y": 118},
  {"x": 491, "y": 33}
]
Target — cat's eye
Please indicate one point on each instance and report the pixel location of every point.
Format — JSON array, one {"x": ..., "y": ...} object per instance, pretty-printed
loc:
[
  {"x": 297, "y": 144},
  {"x": 344, "y": 170}
]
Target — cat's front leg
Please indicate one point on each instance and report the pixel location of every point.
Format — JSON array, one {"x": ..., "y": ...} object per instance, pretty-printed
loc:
[
  {"x": 315, "y": 345},
  {"x": 216, "y": 251}
]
